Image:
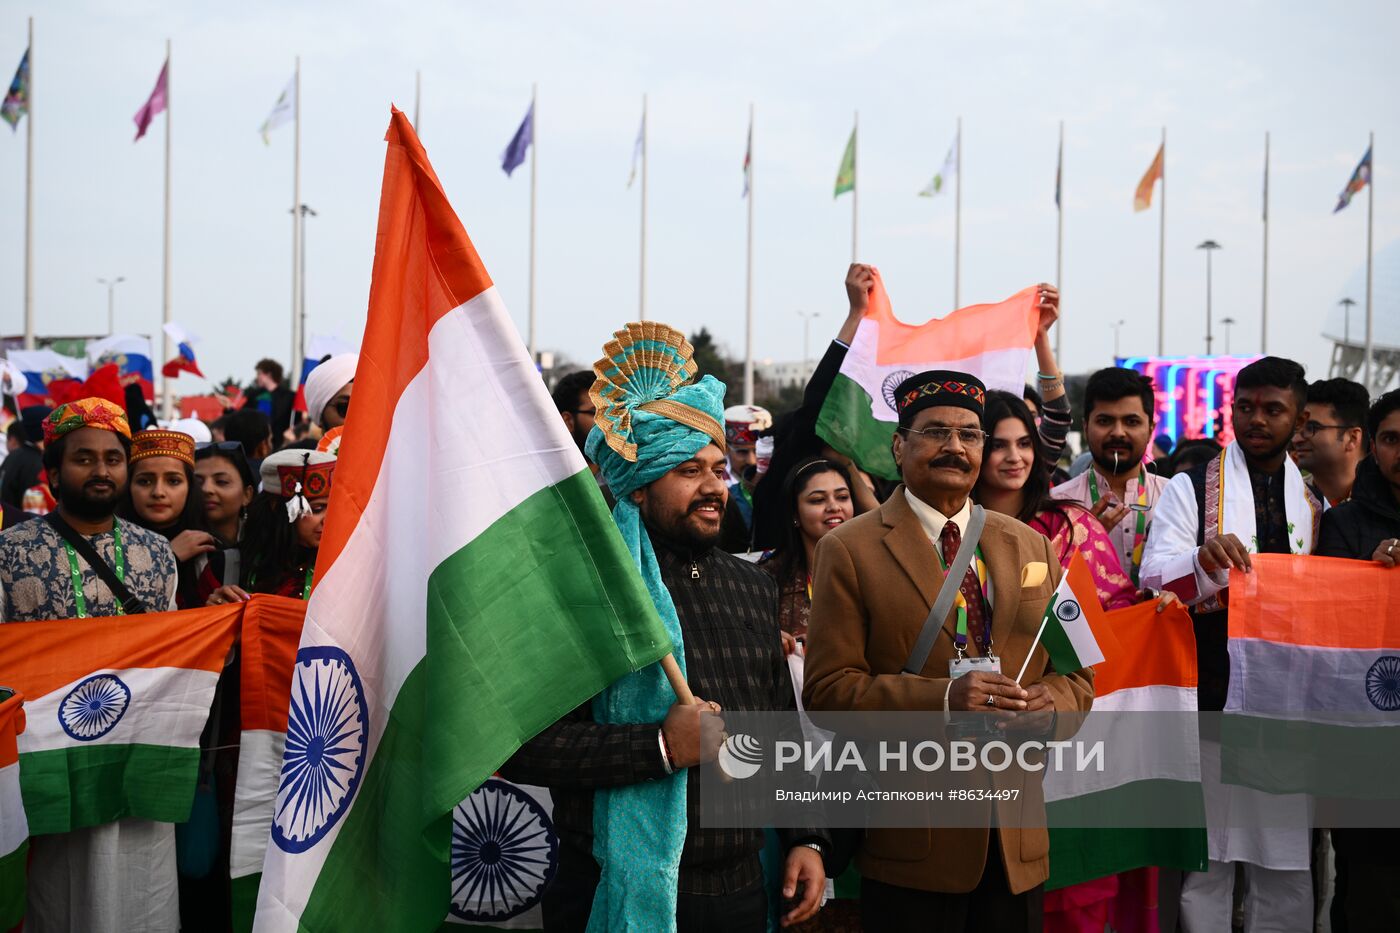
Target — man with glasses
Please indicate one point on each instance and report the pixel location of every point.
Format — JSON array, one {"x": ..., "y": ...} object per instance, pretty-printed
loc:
[
  {"x": 875, "y": 582},
  {"x": 1332, "y": 440},
  {"x": 576, "y": 408}
]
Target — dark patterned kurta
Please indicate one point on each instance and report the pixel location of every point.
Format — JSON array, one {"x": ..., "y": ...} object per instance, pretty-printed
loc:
[{"x": 35, "y": 582}]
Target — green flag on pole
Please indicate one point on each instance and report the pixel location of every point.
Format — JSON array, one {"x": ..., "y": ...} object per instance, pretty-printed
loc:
[{"x": 846, "y": 174}]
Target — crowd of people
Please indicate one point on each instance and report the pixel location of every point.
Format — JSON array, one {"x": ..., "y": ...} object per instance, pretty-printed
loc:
[{"x": 760, "y": 544}]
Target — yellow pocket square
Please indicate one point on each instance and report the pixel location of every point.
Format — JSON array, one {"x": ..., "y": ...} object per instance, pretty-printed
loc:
[{"x": 1033, "y": 574}]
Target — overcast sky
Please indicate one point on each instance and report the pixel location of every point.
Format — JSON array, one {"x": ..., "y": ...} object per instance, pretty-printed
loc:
[{"x": 1218, "y": 75}]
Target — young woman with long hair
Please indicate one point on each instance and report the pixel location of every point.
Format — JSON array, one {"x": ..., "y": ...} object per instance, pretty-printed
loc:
[
  {"x": 226, "y": 488},
  {"x": 283, "y": 530}
]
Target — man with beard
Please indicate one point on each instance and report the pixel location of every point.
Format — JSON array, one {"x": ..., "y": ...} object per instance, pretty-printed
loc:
[
  {"x": 1249, "y": 499},
  {"x": 116, "y": 876},
  {"x": 742, "y": 425},
  {"x": 1117, "y": 488},
  {"x": 1332, "y": 440},
  {"x": 576, "y": 408},
  {"x": 876, "y": 581},
  {"x": 621, "y": 770}
]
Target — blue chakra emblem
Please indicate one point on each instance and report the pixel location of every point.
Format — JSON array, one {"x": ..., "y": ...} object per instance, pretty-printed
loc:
[
  {"x": 504, "y": 853},
  {"x": 327, "y": 731},
  {"x": 94, "y": 707},
  {"x": 1383, "y": 683},
  {"x": 891, "y": 383}
]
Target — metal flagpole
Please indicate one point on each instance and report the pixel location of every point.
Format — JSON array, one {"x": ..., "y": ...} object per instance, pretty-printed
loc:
[
  {"x": 168, "y": 349},
  {"x": 642, "y": 264},
  {"x": 1059, "y": 233},
  {"x": 748, "y": 281},
  {"x": 296, "y": 362},
  {"x": 1264, "y": 291},
  {"x": 29, "y": 204},
  {"x": 534, "y": 165},
  {"x": 957, "y": 224},
  {"x": 1162, "y": 256},
  {"x": 855, "y": 188},
  {"x": 1370, "y": 213}
]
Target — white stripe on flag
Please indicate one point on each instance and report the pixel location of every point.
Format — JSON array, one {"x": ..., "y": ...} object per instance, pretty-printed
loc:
[
  {"x": 254, "y": 799},
  {"x": 1312, "y": 683},
  {"x": 169, "y": 706}
]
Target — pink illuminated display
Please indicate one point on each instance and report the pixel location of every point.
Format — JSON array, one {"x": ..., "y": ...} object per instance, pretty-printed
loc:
[{"x": 1194, "y": 393}]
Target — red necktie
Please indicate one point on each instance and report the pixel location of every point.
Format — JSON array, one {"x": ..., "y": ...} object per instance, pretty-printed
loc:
[{"x": 951, "y": 540}]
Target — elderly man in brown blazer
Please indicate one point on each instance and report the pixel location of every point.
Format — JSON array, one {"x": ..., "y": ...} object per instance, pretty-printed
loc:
[{"x": 875, "y": 581}]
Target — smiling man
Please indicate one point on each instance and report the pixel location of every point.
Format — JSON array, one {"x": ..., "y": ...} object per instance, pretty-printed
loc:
[
  {"x": 82, "y": 880},
  {"x": 1250, "y": 499}
]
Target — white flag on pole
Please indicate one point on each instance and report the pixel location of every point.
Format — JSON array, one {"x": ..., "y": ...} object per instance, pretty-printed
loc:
[
  {"x": 284, "y": 110},
  {"x": 950, "y": 165}
]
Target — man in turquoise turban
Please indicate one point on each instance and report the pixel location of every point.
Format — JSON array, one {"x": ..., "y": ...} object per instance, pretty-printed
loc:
[{"x": 630, "y": 858}]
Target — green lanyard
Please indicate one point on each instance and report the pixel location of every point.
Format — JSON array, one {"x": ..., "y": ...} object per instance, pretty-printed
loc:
[
  {"x": 1140, "y": 534},
  {"x": 305, "y": 590},
  {"x": 960, "y": 639},
  {"x": 76, "y": 572}
]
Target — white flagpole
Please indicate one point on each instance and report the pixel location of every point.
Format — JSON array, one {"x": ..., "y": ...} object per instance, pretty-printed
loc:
[
  {"x": 748, "y": 281},
  {"x": 1370, "y": 213},
  {"x": 1162, "y": 255},
  {"x": 29, "y": 206},
  {"x": 855, "y": 188},
  {"x": 1060, "y": 235},
  {"x": 957, "y": 225},
  {"x": 295, "y": 365},
  {"x": 1264, "y": 291},
  {"x": 642, "y": 264},
  {"x": 168, "y": 399},
  {"x": 534, "y": 165}
]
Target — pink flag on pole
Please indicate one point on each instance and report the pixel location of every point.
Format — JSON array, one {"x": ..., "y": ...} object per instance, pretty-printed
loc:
[{"x": 153, "y": 105}]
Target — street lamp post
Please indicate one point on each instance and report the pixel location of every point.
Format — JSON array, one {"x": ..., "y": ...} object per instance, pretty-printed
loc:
[
  {"x": 1117, "y": 328},
  {"x": 1228, "y": 322},
  {"x": 1209, "y": 246},
  {"x": 1346, "y": 304},
  {"x": 112, "y": 301},
  {"x": 807, "y": 317}
]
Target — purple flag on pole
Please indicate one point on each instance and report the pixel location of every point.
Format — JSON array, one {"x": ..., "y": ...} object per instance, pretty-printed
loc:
[
  {"x": 153, "y": 105},
  {"x": 514, "y": 156}
]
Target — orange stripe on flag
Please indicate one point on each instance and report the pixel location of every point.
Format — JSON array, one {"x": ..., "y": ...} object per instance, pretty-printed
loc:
[
  {"x": 424, "y": 266},
  {"x": 1142, "y": 198},
  {"x": 42, "y": 656},
  {"x": 1320, "y": 602},
  {"x": 965, "y": 333},
  {"x": 11, "y": 725},
  {"x": 1081, "y": 582},
  {"x": 271, "y": 633},
  {"x": 1151, "y": 649}
]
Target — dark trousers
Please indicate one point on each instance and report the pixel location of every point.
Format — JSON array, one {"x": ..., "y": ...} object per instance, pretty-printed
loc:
[
  {"x": 988, "y": 908},
  {"x": 568, "y": 901}
]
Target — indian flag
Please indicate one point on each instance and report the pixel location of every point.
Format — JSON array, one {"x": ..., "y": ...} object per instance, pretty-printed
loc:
[
  {"x": 1314, "y": 698},
  {"x": 1150, "y": 760},
  {"x": 501, "y": 892},
  {"x": 271, "y": 633},
  {"x": 991, "y": 342},
  {"x": 1074, "y": 623},
  {"x": 471, "y": 587},
  {"x": 14, "y": 829},
  {"x": 114, "y": 710}
]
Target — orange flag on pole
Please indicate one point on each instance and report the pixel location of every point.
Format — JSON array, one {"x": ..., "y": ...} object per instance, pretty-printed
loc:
[{"x": 1142, "y": 198}]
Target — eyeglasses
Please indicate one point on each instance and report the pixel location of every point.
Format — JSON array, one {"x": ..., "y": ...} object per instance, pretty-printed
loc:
[
  {"x": 1312, "y": 427},
  {"x": 584, "y": 411},
  {"x": 941, "y": 435},
  {"x": 341, "y": 406}
]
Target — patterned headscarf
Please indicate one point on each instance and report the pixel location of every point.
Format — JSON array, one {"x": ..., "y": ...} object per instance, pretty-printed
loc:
[
  {"x": 86, "y": 413},
  {"x": 650, "y": 419}
]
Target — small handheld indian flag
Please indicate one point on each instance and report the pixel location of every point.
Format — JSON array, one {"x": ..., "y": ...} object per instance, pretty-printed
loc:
[{"x": 1073, "y": 629}]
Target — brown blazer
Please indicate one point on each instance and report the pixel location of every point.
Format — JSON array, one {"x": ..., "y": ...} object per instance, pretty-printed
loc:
[{"x": 875, "y": 580}]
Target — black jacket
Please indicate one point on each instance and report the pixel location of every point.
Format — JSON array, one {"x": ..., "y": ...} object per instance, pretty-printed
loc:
[
  {"x": 19, "y": 472},
  {"x": 1357, "y": 527}
]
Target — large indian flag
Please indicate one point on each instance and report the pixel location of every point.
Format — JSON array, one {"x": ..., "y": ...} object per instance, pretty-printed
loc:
[
  {"x": 992, "y": 342},
  {"x": 1314, "y": 698},
  {"x": 1150, "y": 759},
  {"x": 14, "y": 828},
  {"x": 471, "y": 586},
  {"x": 114, "y": 709}
]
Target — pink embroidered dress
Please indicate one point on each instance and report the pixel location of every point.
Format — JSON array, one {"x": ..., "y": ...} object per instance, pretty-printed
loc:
[{"x": 1073, "y": 528}]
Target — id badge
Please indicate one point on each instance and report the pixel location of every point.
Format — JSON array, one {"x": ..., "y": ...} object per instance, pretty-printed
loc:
[{"x": 960, "y": 666}]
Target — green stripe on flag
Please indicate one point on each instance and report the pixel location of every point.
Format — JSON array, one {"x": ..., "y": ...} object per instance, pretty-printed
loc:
[
  {"x": 1056, "y": 641},
  {"x": 530, "y": 619},
  {"x": 846, "y": 423},
  {"x": 1079, "y": 853},
  {"x": 243, "y": 901},
  {"x": 12, "y": 885},
  {"x": 69, "y": 788}
]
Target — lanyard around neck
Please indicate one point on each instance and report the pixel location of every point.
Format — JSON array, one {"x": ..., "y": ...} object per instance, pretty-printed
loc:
[
  {"x": 76, "y": 574},
  {"x": 1140, "y": 533},
  {"x": 960, "y": 601},
  {"x": 310, "y": 574}
]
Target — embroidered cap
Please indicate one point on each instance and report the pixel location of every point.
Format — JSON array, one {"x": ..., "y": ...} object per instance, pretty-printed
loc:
[
  {"x": 743, "y": 424},
  {"x": 158, "y": 442},
  {"x": 297, "y": 476},
  {"x": 86, "y": 413},
  {"x": 939, "y": 387}
]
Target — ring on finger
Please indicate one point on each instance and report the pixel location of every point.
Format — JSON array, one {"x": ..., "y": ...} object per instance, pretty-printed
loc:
[{"x": 992, "y": 700}]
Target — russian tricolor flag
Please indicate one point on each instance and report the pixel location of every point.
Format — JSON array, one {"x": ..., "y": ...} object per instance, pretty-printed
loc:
[
  {"x": 184, "y": 361},
  {"x": 132, "y": 355},
  {"x": 48, "y": 374}
]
